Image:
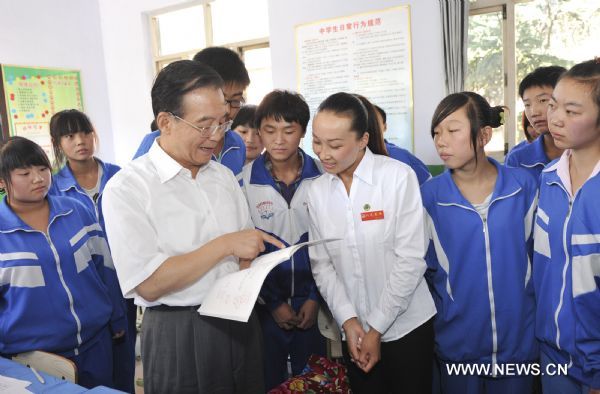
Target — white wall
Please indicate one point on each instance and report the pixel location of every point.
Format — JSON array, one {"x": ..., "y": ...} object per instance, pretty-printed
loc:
[
  {"x": 129, "y": 70},
  {"x": 109, "y": 41},
  {"x": 61, "y": 34},
  {"x": 427, "y": 52}
]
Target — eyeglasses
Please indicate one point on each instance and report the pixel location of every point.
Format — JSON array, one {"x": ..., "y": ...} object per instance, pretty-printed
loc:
[
  {"x": 235, "y": 103},
  {"x": 207, "y": 131}
]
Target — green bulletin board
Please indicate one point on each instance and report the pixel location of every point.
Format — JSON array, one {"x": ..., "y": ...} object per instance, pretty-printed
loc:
[{"x": 29, "y": 96}]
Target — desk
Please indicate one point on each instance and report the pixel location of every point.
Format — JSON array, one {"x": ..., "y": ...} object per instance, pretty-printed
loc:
[{"x": 51, "y": 385}]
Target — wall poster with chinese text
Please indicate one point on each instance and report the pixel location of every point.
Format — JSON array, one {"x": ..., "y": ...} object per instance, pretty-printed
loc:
[
  {"x": 368, "y": 54},
  {"x": 31, "y": 95}
]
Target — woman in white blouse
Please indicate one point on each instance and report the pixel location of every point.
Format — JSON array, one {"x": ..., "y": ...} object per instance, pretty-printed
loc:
[{"x": 372, "y": 279}]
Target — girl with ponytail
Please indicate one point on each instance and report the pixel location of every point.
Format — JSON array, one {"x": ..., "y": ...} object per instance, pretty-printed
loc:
[{"x": 478, "y": 221}]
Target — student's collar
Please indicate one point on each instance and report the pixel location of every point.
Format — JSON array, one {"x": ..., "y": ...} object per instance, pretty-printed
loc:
[
  {"x": 65, "y": 179},
  {"x": 310, "y": 169},
  {"x": 269, "y": 166},
  {"x": 534, "y": 153},
  {"x": 504, "y": 186},
  {"x": 12, "y": 222},
  {"x": 231, "y": 140},
  {"x": 261, "y": 175},
  {"x": 596, "y": 170},
  {"x": 561, "y": 166},
  {"x": 539, "y": 147},
  {"x": 166, "y": 167},
  {"x": 562, "y": 169}
]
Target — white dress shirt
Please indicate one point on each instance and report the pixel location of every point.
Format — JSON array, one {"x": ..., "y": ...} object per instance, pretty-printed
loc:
[
  {"x": 376, "y": 271},
  {"x": 154, "y": 210}
]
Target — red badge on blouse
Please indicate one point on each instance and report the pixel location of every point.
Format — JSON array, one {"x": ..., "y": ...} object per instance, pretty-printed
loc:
[{"x": 375, "y": 215}]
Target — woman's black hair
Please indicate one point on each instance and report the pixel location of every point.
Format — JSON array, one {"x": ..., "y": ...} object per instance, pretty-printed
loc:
[
  {"x": 68, "y": 121},
  {"x": 350, "y": 105},
  {"x": 19, "y": 152},
  {"x": 381, "y": 113},
  {"x": 245, "y": 117},
  {"x": 479, "y": 113},
  {"x": 375, "y": 131},
  {"x": 587, "y": 73}
]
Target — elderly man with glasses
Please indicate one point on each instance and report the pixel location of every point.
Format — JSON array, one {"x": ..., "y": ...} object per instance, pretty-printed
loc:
[
  {"x": 230, "y": 150},
  {"x": 177, "y": 221}
]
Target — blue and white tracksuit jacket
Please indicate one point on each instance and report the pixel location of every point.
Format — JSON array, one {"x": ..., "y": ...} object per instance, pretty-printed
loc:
[
  {"x": 479, "y": 269},
  {"x": 531, "y": 157},
  {"x": 520, "y": 145},
  {"x": 566, "y": 268},
  {"x": 289, "y": 223},
  {"x": 65, "y": 184},
  {"x": 233, "y": 154},
  {"x": 55, "y": 289},
  {"x": 403, "y": 155}
]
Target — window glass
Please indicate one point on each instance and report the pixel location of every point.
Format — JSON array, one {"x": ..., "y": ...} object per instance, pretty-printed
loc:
[
  {"x": 258, "y": 63},
  {"x": 550, "y": 32},
  {"x": 181, "y": 30},
  {"x": 486, "y": 71},
  {"x": 239, "y": 20}
]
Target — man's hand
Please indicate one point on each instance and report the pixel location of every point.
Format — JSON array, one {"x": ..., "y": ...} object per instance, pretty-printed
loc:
[
  {"x": 245, "y": 263},
  {"x": 308, "y": 314},
  {"x": 247, "y": 244},
  {"x": 285, "y": 317}
]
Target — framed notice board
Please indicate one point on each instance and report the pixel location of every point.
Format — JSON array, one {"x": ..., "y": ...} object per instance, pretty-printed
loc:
[
  {"x": 29, "y": 96},
  {"x": 368, "y": 53}
]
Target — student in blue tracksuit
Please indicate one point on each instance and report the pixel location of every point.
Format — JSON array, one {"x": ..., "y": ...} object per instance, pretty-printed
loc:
[
  {"x": 230, "y": 151},
  {"x": 57, "y": 278},
  {"x": 479, "y": 217},
  {"x": 275, "y": 185},
  {"x": 566, "y": 265},
  {"x": 403, "y": 155},
  {"x": 79, "y": 175},
  {"x": 535, "y": 91},
  {"x": 83, "y": 177},
  {"x": 243, "y": 124}
]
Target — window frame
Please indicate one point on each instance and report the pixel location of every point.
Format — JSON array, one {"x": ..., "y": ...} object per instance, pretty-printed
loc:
[
  {"x": 159, "y": 61},
  {"x": 507, "y": 7}
]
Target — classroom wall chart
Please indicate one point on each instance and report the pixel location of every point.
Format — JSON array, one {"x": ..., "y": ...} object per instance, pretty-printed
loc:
[
  {"x": 31, "y": 95},
  {"x": 368, "y": 54}
]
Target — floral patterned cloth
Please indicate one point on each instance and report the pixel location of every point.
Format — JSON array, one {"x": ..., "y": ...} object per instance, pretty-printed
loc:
[{"x": 320, "y": 375}]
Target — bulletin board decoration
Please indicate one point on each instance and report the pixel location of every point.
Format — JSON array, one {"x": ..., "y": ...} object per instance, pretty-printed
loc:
[{"x": 31, "y": 95}]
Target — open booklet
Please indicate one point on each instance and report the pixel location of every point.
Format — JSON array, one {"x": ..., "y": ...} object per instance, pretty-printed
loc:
[
  {"x": 13, "y": 386},
  {"x": 233, "y": 296}
]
